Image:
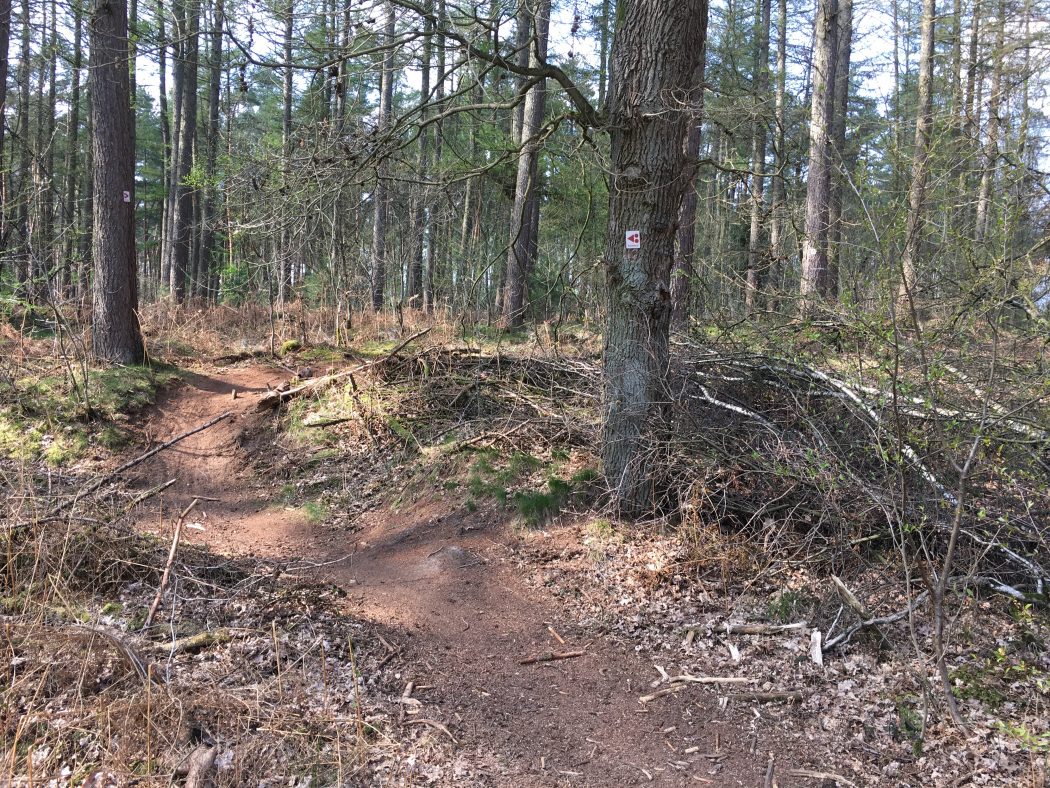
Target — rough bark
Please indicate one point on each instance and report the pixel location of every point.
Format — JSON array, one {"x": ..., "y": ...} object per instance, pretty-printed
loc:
[
  {"x": 284, "y": 262},
  {"x": 778, "y": 221},
  {"x": 116, "y": 336},
  {"x": 920, "y": 158},
  {"x": 991, "y": 147},
  {"x": 814, "y": 286},
  {"x": 72, "y": 164},
  {"x": 182, "y": 219},
  {"x": 521, "y": 249},
  {"x": 655, "y": 62},
  {"x": 760, "y": 77},
  {"x": 5, "y": 38},
  {"x": 839, "y": 114},
  {"x": 209, "y": 212},
  {"x": 420, "y": 207},
  {"x": 380, "y": 198}
]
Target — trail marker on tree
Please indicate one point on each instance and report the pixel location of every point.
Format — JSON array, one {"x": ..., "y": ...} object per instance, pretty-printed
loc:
[{"x": 633, "y": 239}]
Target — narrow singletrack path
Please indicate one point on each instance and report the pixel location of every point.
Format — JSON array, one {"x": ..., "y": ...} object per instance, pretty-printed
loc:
[{"x": 446, "y": 585}]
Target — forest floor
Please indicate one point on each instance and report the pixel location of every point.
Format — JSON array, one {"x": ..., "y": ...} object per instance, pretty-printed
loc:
[{"x": 406, "y": 577}]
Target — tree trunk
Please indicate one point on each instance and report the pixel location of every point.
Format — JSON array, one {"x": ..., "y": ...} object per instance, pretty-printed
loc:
[
  {"x": 379, "y": 224},
  {"x": 208, "y": 213},
  {"x": 760, "y": 78},
  {"x": 420, "y": 203},
  {"x": 5, "y": 38},
  {"x": 991, "y": 147},
  {"x": 183, "y": 224},
  {"x": 165, "y": 139},
  {"x": 839, "y": 113},
  {"x": 818, "y": 184},
  {"x": 521, "y": 249},
  {"x": 778, "y": 222},
  {"x": 23, "y": 193},
  {"x": 69, "y": 215},
  {"x": 656, "y": 58},
  {"x": 116, "y": 336},
  {"x": 920, "y": 165}
]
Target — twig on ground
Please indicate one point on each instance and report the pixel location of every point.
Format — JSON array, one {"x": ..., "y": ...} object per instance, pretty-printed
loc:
[
  {"x": 433, "y": 724},
  {"x": 552, "y": 656},
  {"x": 167, "y": 566}
]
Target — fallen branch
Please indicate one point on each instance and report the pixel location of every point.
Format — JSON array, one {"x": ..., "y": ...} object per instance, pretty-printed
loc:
[
  {"x": 836, "y": 778},
  {"x": 193, "y": 643},
  {"x": 764, "y": 629},
  {"x": 678, "y": 682},
  {"x": 167, "y": 566},
  {"x": 91, "y": 486},
  {"x": 766, "y": 697},
  {"x": 552, "y": 656},
  {"x": 137, "y": 663},
  {"x": 844, "y": 637},
  {"x": 435, "y": 725},
  {"x": 275, "y": 398}
]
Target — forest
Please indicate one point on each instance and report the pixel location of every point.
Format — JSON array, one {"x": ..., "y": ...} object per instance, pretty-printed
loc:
[{"x": 525, "y": 392}]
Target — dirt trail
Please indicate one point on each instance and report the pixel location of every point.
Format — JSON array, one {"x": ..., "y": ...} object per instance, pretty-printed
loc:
[{"x": 445, "y": 584}]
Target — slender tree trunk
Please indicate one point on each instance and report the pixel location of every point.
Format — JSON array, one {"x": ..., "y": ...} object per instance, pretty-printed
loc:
[
  {"x": 5, "y": 39},
  {"x": 208, "y": 212},
  {"x": 839, "y": 114},
  {"x": 656, "y": 56},
  {"x": 818, "y": 185},
  {"x": 165, "y": 140},
  {"x": 381, "y": 198},
  {"x": 183, "y": 225},
  {"x": 429, "y": 303},
  {"x": 72, "y": 165},
  {"x": 521, "y": 248},
  {"x": 604, "y": 36},
  {"x": 116, "y": 336},
  {"x": 991, "y": 147},
  {"x": 24, "y": 191},
  {"x": 778, "y": 222},
  {"x": 920, "y": 159},
  {"x": 420, "y": 205},
  {"x": 760, "y": 77}
]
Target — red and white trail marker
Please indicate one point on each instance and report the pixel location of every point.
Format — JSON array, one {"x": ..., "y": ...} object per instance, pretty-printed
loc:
[{"x": 633, "y": 239}]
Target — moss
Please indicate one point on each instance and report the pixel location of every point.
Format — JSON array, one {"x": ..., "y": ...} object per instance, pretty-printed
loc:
[
  {"x": 289, "y": 346},
  {"x": 316, "y": 512}
]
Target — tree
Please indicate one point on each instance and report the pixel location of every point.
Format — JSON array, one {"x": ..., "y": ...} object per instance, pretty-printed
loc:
[
  {"x": 656, "y": 57},
  {"x": 380, "y": 197},
  {"x": 815, "y": 284},
  {"x": 181, "y": 240},
  {"x": 521, "y": 249},
  {"x": 5, "y": 38},
  {"x": 760, "y": 78},
  {"x": 115, "y": 328},
  {"x": 920, "y": 157}
]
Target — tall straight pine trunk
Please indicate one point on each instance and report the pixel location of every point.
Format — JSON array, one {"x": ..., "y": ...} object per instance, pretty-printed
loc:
[{"x": 116, "y": 336}]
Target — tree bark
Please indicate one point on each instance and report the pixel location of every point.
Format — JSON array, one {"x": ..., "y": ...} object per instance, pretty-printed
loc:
[
  {"x": 521, "y": 249},
  {"x": 760, "y": 78},
  {"x": 420, "y": 202},
  {"x": 183, "y": 224},
  {"x": 920, "y": 159},
  {"x": 381, "y": 197},
  {"x": 778, "y": 221},
  {"x": 72, "y": 164},
  {"x": 208, "y": 214},
  {"x": 5, "y": 39},
  {"x": 116, "y": 336},
  {"x": 991, "y": 147},
  {"x": 839, "y": 114},
  {"x": 814, "y": 285},
  {"x": 655, "y": 63}
]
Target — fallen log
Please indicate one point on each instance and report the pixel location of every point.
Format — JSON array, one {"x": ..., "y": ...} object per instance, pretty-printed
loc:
[{"x": 275, "y": 398}]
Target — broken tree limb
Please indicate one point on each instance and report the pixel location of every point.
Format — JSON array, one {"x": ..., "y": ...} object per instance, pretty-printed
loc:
[
  {"x": 194, "y": 643},
  {"x": 167, "y": 566},
  {"x": 552, "y": 656},
  {"x": 677, "y": 683},
  {"x": 850, "y": 599},
  {"x": 764, "y": 629},
  {"x": 275, "y": 398},
  {"x": 768, "y": 697},
  {"x": 844, "y": 637}
]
